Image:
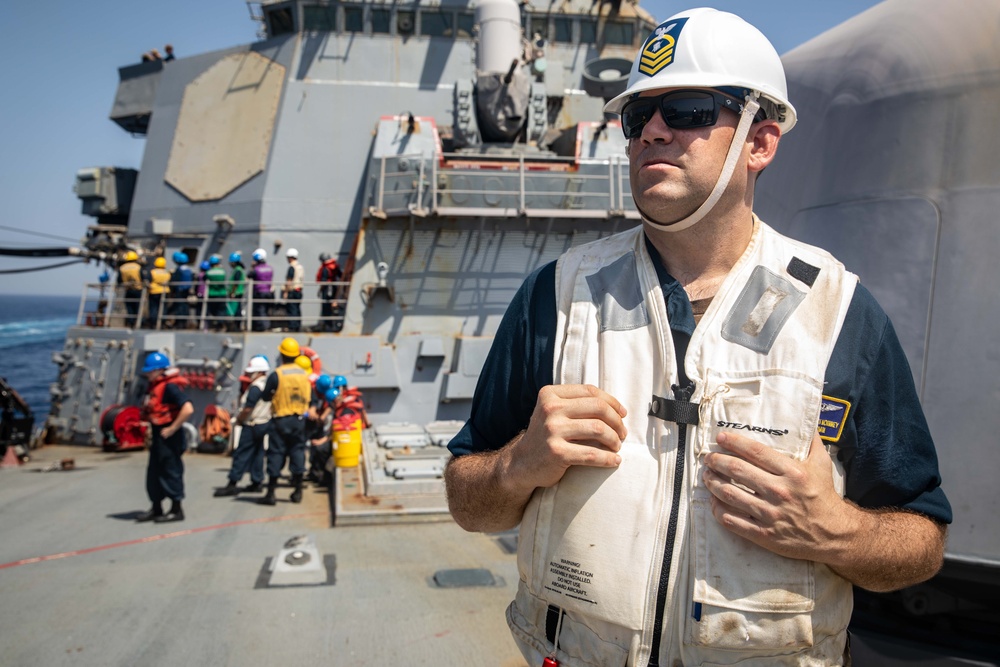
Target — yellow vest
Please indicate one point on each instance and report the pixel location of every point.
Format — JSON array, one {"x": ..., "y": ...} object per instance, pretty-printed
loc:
[
  {"x": 159, "y": 281},
  {"x": 131, "y": 275},
  {"x": 294, "y": 391}
]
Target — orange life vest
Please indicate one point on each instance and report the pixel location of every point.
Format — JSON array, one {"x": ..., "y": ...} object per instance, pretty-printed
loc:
[{"x": 154, "y": 410}]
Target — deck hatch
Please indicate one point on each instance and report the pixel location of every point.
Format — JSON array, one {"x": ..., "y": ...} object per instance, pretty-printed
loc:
[{"x": 464, "y": 578}]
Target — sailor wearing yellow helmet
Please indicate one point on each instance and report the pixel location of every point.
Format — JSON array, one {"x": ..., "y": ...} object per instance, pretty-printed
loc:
[
  {"x": 159, "y": 284},
  {"x": 289, "y": 392},
  {"x": 130, "y": 281}
]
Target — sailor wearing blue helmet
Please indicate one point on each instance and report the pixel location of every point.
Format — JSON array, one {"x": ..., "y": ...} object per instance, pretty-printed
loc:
[{"x": 166, "y": 407}]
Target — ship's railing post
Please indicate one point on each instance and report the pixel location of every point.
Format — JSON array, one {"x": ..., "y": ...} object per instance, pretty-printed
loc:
[
  {"x": 141, "y": 312},
  {"x": 249, "y": 313},
  {"x": 420, "y": 189},
  {"x": 611, "y": 186},
  {"x": 111, "y": 307},
  {"x": 381, "y": 184},
  {"x": 204, "y": 307},
  {"x": 521, "y": 197},
  {"x": 434, "y": 184},
  {"x": 159, "y": 311},
  {"x": 83, "y": 304},
  {"x": 621, "y": 184}
]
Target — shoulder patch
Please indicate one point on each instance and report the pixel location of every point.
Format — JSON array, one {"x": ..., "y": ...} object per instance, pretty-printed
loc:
[{"x": 832, "y": 417}]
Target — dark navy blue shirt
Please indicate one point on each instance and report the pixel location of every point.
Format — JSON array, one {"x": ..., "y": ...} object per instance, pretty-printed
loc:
[
  {"x": 254, "y": 394},
  {"x": 174, "y": 395},
  {"x": 885, "y": 446}
]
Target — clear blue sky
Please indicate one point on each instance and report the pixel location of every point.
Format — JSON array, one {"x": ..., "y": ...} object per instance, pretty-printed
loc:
[{"x": 60, "y": 73}]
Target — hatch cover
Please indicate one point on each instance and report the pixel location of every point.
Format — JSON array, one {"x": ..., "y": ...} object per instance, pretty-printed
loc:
[{"x": 464, "y": 578}]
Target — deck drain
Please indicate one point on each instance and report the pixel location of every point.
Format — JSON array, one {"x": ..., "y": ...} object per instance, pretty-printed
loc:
[{"x": 464, "y": 578}]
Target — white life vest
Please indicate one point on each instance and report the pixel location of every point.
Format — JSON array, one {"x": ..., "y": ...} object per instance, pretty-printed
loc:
[
  {"x": 593, "y": 545},
  {"x": 261, "y": 412}
]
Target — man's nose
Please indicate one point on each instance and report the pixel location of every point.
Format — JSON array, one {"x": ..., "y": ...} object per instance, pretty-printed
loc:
[{"x": 657, "y": 129}]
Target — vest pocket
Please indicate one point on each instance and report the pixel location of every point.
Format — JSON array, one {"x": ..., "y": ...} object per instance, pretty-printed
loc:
[
  {"x": 776, "y": 407},
  {"x": 575, "y": 537},
  {"x": 746, "y": 597}
]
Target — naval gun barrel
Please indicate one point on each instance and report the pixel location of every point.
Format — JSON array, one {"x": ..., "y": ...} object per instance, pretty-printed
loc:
[{"x": 503, "y": 82}]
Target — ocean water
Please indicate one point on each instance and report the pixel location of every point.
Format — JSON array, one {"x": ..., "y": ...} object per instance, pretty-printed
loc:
[{"x": 31, "y": 329}]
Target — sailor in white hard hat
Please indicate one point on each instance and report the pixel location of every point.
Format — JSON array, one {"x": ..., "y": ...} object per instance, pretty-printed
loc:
[
  {"x": 650, "y": 412},
  {"x": 255, "y": 419},
  {"x": 292, "y": 291}
]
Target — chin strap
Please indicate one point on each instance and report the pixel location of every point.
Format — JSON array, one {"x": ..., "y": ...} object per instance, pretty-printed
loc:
[{"x": 750, "y": 108}]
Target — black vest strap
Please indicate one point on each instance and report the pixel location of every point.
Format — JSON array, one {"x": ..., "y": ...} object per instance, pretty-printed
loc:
[{"x": 669, "y": 410}]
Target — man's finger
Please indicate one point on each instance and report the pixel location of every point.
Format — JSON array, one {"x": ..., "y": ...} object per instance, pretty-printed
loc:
[
  {"x": 595, "y": 432},
  {"x": 589, "y": 409},
  {"x": 734, "y": 520},
  {"x": 590, "y": 454},
  {"x": 585, "y": 391},
  {"x": 752, "y": 451},
  {"x": 741, "y": 474},
  {"x": 739, "y": 496}
]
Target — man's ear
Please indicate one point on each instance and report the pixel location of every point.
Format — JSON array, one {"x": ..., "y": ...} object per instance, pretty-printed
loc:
[{"x": 763, "y": 140}]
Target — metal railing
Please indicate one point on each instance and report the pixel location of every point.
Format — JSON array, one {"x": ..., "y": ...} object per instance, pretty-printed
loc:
[
  {"x": 486, "y": 186},
  {"x": 261, "y": 309}
]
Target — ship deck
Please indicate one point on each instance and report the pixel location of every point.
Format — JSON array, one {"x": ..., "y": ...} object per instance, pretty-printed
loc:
[{"x": 82, "y": 584}]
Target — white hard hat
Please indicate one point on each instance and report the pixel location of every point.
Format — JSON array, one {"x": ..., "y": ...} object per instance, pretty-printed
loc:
[
  {"x": 258, "y": 364},
  {"x": 706, "y": 48},
  {"x": 292, "y": 252},
  {"x": 259, "y": 254}
]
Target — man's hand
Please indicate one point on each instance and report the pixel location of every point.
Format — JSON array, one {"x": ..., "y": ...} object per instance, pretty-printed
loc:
[
  {"x": 791, "y": 507},
  {"x": 571, "y": 425}
]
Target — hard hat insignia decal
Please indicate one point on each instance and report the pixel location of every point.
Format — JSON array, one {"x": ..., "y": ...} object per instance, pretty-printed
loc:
[{"x": 658, "y": 51}]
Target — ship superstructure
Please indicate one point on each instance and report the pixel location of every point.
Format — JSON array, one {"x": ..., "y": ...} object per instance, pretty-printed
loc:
[{"x": 439, "y": 151}]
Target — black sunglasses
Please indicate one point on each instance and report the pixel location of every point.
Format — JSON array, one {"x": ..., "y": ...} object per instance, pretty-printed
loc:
[{"x": 681, "y": 109}]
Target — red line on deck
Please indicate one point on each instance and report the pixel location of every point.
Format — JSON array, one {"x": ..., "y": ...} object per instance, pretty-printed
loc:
[{"x": 155, "y": 538}]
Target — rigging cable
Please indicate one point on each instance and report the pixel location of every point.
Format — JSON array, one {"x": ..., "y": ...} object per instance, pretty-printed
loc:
[
  {"x": 38, "y": 252},
  {"x": 43, "y": 268},
  {"x": 49, "y": 236}
]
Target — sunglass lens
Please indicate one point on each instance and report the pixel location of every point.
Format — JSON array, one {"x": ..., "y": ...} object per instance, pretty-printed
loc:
[
  {"x": 636, "y": 114},
  {"x": 692, "y": 110}
]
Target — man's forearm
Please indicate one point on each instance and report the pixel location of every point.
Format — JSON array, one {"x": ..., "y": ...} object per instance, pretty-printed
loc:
[
  {"x": 481, "y": 495},
  {"x": 892, "y": 549},
  {"x": 182, "y": 416}
]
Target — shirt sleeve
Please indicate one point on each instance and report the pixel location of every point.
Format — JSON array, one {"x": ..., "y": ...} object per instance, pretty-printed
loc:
[
  {"x": 174, "y": 395},
  {"x": 254, "y": 394},
  {"x": 519, "y": 364},
  {"x": 885, "y": 446},
  {"x": 270, "y": 387}
]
